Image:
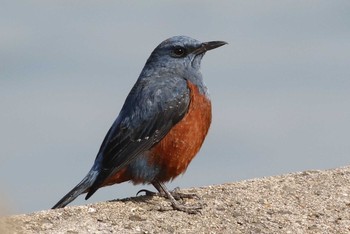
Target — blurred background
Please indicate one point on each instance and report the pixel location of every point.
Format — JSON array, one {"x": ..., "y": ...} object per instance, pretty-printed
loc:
[{"x": 280, "y": 89}]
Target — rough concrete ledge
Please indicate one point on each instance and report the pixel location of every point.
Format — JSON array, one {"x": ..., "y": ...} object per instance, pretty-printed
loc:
[{"x": 306, "y": 202}]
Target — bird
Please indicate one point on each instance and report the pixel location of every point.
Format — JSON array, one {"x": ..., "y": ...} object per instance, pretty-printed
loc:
[{"x": 161, "y": 125}]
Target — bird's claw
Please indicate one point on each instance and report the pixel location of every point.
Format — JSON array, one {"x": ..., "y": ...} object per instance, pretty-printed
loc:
[
  {"x": 178, "y": 195},
  {"x": 174, "y": 196},
  {"x": 147, "y": 192},
  {"x": 188, "y": 209},
  {"x": 175, "y": 193}
]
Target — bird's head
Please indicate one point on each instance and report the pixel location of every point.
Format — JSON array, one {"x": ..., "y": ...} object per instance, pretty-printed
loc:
[{"x": 179, "y": 54}]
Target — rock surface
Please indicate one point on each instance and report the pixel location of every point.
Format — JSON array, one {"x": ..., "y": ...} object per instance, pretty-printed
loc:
[{"x": 306, "y": 202}]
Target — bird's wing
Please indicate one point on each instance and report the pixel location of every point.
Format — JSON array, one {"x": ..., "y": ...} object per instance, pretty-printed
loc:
[{"x": 151, "y": 109}]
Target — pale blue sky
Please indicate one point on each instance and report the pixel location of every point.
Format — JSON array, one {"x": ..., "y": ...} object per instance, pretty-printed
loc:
[{"x": 280, "y": 89}]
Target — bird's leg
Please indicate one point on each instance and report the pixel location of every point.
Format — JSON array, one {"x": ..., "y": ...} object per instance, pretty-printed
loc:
[{"x": 163, "y": 190}]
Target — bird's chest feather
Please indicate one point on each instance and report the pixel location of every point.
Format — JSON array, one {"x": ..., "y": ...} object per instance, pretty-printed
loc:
[{"x": 171, "y": 156}]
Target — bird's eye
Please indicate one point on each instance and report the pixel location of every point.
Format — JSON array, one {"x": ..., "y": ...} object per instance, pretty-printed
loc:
[{"x": 179, "y": 52}]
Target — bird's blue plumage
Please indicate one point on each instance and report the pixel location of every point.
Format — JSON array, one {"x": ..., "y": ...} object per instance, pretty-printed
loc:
[{"x": 151, "y": 109}]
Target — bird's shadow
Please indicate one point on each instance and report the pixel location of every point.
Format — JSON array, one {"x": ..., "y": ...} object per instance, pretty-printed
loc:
[
  {"x": 149, "y": 200},
  {"x": 137, "y": 199}
]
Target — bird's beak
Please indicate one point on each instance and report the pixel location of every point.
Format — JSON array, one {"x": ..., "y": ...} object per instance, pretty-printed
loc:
[{"x": 205, "y": 46}]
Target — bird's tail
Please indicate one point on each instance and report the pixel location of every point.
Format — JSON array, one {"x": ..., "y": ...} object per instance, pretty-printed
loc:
[{"x": 82, "y": 187}]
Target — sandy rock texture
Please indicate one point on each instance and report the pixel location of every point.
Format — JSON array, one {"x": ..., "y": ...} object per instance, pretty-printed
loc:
[{"x": 305, "y": 202}]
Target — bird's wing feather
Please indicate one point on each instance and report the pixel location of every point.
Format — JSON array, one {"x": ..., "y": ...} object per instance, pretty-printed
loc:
[{"x": 152, "y": 108}]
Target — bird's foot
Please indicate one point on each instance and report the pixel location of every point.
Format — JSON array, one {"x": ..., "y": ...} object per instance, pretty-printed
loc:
[
  {"x": 175, "y": 193},
  {"x": 178, "y": 195},
  {"x": 174, "y": 203},
  {"x": 187, "y": 209}
]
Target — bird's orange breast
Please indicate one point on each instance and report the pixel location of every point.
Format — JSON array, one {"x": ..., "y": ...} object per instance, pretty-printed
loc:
[{"x": 176, "y": 150}]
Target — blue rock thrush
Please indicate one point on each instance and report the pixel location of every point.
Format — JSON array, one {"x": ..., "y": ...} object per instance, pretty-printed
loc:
[{"x": 161, "y": 126}]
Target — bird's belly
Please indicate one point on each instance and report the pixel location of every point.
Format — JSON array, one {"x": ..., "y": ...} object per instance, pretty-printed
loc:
[{"x": 171, "y": 156}]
